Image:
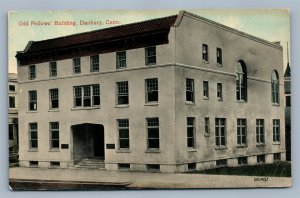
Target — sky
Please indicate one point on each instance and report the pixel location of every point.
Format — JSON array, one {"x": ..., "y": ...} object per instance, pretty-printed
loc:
[{"x": 268, "y": 24}]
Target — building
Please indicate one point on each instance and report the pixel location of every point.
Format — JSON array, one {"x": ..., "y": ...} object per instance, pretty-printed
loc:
[
  {"x": 171, "y": 94},
  {"x": 287, "y": 92},
  {"x": 12, "y": 109}
]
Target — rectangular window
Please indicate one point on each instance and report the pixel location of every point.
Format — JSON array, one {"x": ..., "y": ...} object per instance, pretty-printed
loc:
[
  {"x": 121, "y": 59},
  {"x": 276, "y": 157},
  {"x": 55, "y": 164},
  {"x": 123, "y": 166},
  {"x": 151, "y": 90},
  {"x": 12, "y": 88},
  {"x": 276, "y": 130},
  {"x": 153, "y": 133},
  {"x": 53, "y": 69},
  {"x": 32, "y": 100},
  {"x": 287, "y": 101},
  {"x": 32, "y": 72},
  {"x": 122, "y": 91},
  {"x": 11, "y": 131},
  {"x": 153, "y": 167},
  {"x": 87, "y": 96},
  {"x": 94, "y": 63},
  {"x": 219, "y": 91},
  {"x": 33, "y": 136},
  {"x": 260, "y": 134},
  {"x": 192, "y": 166},
  {"x": 206, "y": 125},
  {"x": 205, "y": 89},
  {"x": 219, "y": 56},
  {"x": 123, "y": 127},
  {"x": 242, "y": 161},
  {"x": 54, "y": 100},
  {"x": 190, "y": 90},
  {"x": 191, "y": 132},
  {"x": 54, "y": 135},
  {"x": 241, "y": 132},
  {"x": 205, "y": 53},
  {"x": 261, "y": 159},
  {"x": 150, "y": 55},
  {"x": 76, "y": 66},
  {"x": 220, "y": 132},
  {"x": 12, "y": 103},
  {"x": 222, "y": 162},
  {"x": 33, "y": 163}
]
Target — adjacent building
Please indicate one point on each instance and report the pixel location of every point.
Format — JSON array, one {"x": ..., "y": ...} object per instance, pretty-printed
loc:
[
  {"x": 170, "y": 94},
  {"x": 12, "y": 109},
  {"x": 287, "y": 92}
]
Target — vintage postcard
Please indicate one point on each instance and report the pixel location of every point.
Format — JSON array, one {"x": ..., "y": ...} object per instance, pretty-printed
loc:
[{"x": 158, "y": 99}]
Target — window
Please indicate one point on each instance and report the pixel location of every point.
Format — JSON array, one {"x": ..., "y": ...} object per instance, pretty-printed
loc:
[
  {"x": 287, "y": 101},
  {"x": 123, "y": 127},
  {"x": 189, "y": 90},
  {"x": 54, "y": 164},
  {"x": 205, "y": 90},
  {"x": 242, "y": 161},
  {"x": 53, "y": 69},
  {"x": 192, "y": 166},
  {"x": 276, "y": 157},
  {"x": 32, "y": 100},
  {"x": 276, "y": 130},
  {"x": 54, "y": 135},
  {"x": 205, "y": 53},
  {"x": 219, "y": 56},
  {"x": 12, "y": 88},
  {"x": 153, "y": 167},
  {"x": 241, "y": 132},
  {"x": 150, "y": 54},
  {"x": 32, "y": 72},
  {"x": 33, "y": 136},
  {"x": 219, "y": 91},
  {"x": 261, "y": 159},
  {"x": 76, "y": 66},
  {"x": 260, "y": 136},
  {"x": 151, "y": 90},
  {"x": 275, "y": 87},
  {"x": 12, "y": 103},
  {"x": 87, "y": 96},
  {"x": 206, "y": 125},
  {"x": 220, "y": 132},
  {"x": 121, "y": 60},
  {"x": 222, "y": 162},
  {"x": 94, "y": 63},
  {"x": 122, "y": 93},
  {"x": 190, "y": 132},
  {"x": 11, "y": 131},
  {"x": 54, "y": 102},
  {"x": 33, "y": 163},
  {"x": 123, "y": 166},
  {"x": 241, "y": 81},
  {"x": 153, "y": 133}
]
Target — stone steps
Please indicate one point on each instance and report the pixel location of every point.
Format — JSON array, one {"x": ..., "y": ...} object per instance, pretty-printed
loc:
[{"x": 90, "y": 164}]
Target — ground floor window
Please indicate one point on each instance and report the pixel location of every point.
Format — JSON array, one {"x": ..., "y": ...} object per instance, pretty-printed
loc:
[
  {"x": 123, "y": 127},
  {"x": 11, "y": 131},
  {"x": 241, "y": 132},
  {"x": 33, "y": 135},
  {"x": 276, "y": 130},
  {"x": 54, "y": 135},
  {"x": 153, "y": 133},
  {"x": 191, "y": 132},
  {"x": 220, "y": 124},
  {"x": 260, "y": 136}
]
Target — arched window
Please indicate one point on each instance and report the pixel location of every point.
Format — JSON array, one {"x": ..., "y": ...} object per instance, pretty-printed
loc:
[
  {"x": 275, "y": 87},
  {"x": 241, "y": 81}
]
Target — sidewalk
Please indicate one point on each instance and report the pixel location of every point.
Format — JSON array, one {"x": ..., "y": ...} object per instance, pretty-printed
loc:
[{"x": 142, "y": 180}]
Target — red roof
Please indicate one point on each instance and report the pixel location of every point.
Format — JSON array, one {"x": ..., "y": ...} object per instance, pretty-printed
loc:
[{"x": 102, "y": 35}]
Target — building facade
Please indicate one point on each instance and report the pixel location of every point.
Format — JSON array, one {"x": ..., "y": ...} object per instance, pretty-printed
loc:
[
  {"x": 171, "y": 94},
  {"x": 287, "y": 92},
  {"x": 12, "y": 109}
]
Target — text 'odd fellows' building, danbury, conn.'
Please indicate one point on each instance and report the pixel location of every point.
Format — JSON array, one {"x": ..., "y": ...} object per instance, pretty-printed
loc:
[{"x": 170, "y": 94}]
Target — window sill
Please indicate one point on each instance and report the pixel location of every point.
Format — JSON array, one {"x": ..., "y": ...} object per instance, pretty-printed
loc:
[
  {"x": 204, "y": 61},
  {"x": 220, "y": 99},
  {"x": 121, "y": 68},
  {"x": 276, "y": 143},
  {"x": 33, "y": 150},
  {"x": 53, "y": 110},
  {"x": 151, "y": 104},
  {"x": 219, "y": 65},
  {"x": 191, "y": 150},
  {"x": 32, "y": 111},
  {"x": 205, "y": 98},
  {"x": 241, "y": 101},
  {"x": 95, "y": 71},
  {"x": 122, "y": 106},
  {"x": 206, "y": 135},
  {"x": 152, "y": 151},
  {"x": 54, "y": 150},
  {"x": 221, "y": 148},
  {"x": 123, "y": 151},
  {"x": 85, "y": 108},
  {"x": 275, "y": 104},
  {"x": 242, "y": 146},
  {"x": 189, "y": 103},
  {"x": 260, "y": 145}
]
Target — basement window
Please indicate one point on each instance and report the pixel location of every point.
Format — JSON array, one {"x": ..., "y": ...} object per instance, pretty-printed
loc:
[
  {"x": 242, "y": 161},
  {"x": 261, "y": 159},
  {"x": 192, "y": 166},
  {"x": 123, "y": 166},
  {"x": 277, "y": 157},
  {"x": 33, "y": 163},
  {"x": 153, "y": 167},
  {"x": 222, "y": 162},
  {"x": 54, "y": 164}
]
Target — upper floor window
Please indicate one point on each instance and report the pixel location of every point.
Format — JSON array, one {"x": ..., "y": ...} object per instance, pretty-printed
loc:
[
  {"x": 191, "y": 132},
  {"x": 122, "y": 92},
  {"x": 87, "y": 96},
  {"x": 220, "y": 127},
  {"x": 205, "y": 53},
  {"x": 54, "y": 101},
  {"x": 94, "y": 63},
  {"x": 190, "y": 90},
  {"x": 260, "y": 131},
  {"x": 219, "y": 91},
  {"x": 287, "y": 101},
  {"x": 123, "y": 127},
  {"x": 150, "y": 55},
  {"x": 121, "y": 59},
  {"x": 205, "y": 90},
  {"x": 219, "y": 56},
  {"x": 276, "y": 130},
  {"x": 32, "y": 72},
  {"x": 151, "y": 90},
  {"x": 241, "y": 131},
  {"x": 54, "y": 135},
  {"x": 53, "y": 69},
  {"x": 206, "y": 126},
  {"x": 12, "y": 88},
  {"x": 12, "y": 102},
  {"x": 76, "y": 66},
  {"x": 32, "y": 100},
  {"x": 153, "y": 133},
  {"x": 241, "y": 81},
  {"x": 275, "y": 87}
]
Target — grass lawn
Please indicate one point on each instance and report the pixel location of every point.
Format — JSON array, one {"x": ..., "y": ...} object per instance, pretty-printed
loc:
[{"x": 277, "y": 169}]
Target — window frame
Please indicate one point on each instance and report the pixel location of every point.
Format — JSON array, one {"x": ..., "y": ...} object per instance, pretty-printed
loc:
[
  {"x": 156, "y": 120},
  {"x": 241, "y": 81},
  {"x": 206, "y": 126},
  {"x": 260, "y": 132},
  {"x": 32, "y": 100},
  {"x": 192, "y": 91},
  {"x": 121, "y": 60},
  {"x": 205, "y": 89},
  {"x": 205, "y": 57},
  {"x": 51, "y": 139},
  {"x": 275, "y": 88},
  {"x": 191, "y": 125},
  {"x": 151, "y": 57},
  {"x": 94, "y": 95},
  {"x": 218, "y": 133},
  {"x": 30, "y": 131},
  {"x": 241, "y": 135},
  {"x": 94, "y": 65},
  {"x": 53, "y": 69},
  {"x": 121, "y": 128},
  {"x": 32, "y": 72},
  {"x": 151, "y": 88},
  {"x": 276, "y": 130},
  {"x": 219, "y": 56},
  {"x": 53, "y": 99},
  {"x": 220, "y": 91},
  {"x": 76, "y": 65},
  {"x": 11, "y": 131},
  {"x": 12, "y": 101},
  {"x": 122, "y": 89},
  {"x": 12, "y": 88}
]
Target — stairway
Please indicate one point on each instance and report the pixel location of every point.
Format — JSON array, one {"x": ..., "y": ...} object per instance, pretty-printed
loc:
[{"x": 90, "y": 163}]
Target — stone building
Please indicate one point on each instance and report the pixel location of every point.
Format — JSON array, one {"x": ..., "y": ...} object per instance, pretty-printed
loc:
[
  {"x": 12, "y": 109},
  {"x": 170, "y": 94}
]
